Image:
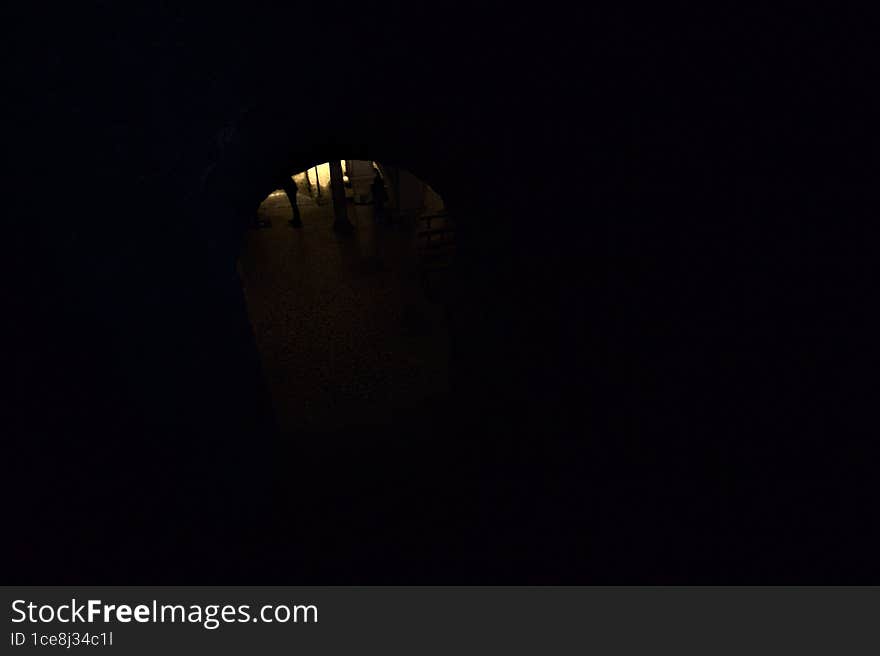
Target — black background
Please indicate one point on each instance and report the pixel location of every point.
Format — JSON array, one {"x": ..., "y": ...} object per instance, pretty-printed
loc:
[{"x": 664, "y": 348}]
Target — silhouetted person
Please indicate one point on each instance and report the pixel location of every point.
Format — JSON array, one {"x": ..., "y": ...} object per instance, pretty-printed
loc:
[
  {"x": 379, "y": 197},
  {"x": 290, "y": 189}
]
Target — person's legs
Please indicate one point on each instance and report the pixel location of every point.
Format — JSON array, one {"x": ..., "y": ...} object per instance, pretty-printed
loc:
[
  {"x": 290, "y": 190},
  {"x": 295, "y": 221}
]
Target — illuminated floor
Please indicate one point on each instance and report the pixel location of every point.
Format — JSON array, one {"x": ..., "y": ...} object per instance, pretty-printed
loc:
[
  {"x": 377, "y": 475},
  {"x": 346, "y": 335}
]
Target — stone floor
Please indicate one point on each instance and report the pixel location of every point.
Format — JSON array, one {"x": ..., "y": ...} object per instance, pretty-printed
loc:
[
  {"x": 378, "y": 478},
  {"x": 374, "y": 478},
  {"x": 346, "y": 333}
]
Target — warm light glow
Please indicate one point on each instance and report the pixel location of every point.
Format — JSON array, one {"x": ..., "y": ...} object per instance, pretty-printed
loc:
[{"x": 323, "y": 174}]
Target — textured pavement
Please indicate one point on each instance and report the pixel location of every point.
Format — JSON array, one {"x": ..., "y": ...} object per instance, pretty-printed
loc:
[{"x": 346, "y": 334}]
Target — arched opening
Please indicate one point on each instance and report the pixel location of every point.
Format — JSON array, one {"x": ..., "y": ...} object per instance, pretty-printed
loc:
[
  {"x": 385, "y": 414},
  {"x": 345, "y": 270}
]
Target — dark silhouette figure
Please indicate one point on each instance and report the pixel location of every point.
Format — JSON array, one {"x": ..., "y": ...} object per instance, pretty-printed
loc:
[
  {"x": 290, "y": 189},
  {"x": 379, "y": 197},
  {"x": 337, "y": 191}
]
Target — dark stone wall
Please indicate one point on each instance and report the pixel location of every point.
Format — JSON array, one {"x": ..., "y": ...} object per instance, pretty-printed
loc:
[{"x": 664, "y": 342}]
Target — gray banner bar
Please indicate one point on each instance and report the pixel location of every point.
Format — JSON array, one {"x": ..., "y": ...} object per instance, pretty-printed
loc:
[{"x": 442, "y": 620}]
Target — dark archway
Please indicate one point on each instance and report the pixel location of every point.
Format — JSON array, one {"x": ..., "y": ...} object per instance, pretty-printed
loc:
[{"x": 660, "y": 352}]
